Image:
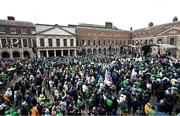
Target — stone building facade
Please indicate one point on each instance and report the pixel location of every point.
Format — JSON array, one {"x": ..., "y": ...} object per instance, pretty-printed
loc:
[
  {"x": 55, "y": 40},
  {"x": 167, "y": 34},
  {"x": 16, "y": 38},
  {"x": 99, "y": 39}
]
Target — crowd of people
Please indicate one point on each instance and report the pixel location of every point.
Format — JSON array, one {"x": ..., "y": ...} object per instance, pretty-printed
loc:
[{"x": 93, "y": 85}]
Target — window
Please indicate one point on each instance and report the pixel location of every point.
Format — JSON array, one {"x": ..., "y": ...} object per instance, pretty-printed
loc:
[
  {"x": 171, "y": 41},
  {"x": 25, "y": 43},
  {"x": 2, "y": 30},
  {"x": 89, "y": 42},
  {"x": 108, "y": 42},
  {"x": 42, "y": 42},
  {"x": 77, "y": 42},
  {"x": 23, "y": 31},
  {"x": 83, "y": 42},
  {"x": 4, "y": 42},
  {"x": 137, "y": 42},
  {"x": 132, "y": 42},
  {"x": 65, "y": 42},
  {"x": 99, "y": 42},
  {"x": 94, "y": 42},
  {"x": 50, "y": 42},
  {"x": 71, "y": 42},
  {"x": 15, "y": 42},
  {"x": 104, "y": 42},
  {"x": 13, "y": 30},
  {"x": 57, "y": 42}
]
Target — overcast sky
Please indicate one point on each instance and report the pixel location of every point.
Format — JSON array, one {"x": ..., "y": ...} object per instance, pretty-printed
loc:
[{"x": 122, "y": 13}]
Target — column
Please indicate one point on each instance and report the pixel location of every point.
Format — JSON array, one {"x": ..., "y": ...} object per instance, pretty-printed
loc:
[
  {"x": 54, "y": 53},
  {"x": 11, "y": 54},
  {"x": 62, "y": 52},
  {"x": 47, "y": 54},
  {"x": 69, "y": 53},
  {"x": 38, "y": 54},
  {"x": 22, "y": 53},
  {"x": 0, "y": 44},
  {"x": 75, "y": 53}
]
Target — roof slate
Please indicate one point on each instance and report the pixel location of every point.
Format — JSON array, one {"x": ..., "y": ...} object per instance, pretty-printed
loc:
[{"x": 16, "y": 23}]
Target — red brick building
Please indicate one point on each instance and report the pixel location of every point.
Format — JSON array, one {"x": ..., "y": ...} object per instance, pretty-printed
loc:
[{"x": 99, "y": 39}]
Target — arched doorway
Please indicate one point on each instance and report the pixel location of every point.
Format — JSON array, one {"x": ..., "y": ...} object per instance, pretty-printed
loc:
[
  {"x": 83, "y": 51},
  {"x": 26, "y": 54},
  {"x": 89, "y": 51},
  {"x": 5, "y": 55},
  {"x": 16, "y": 54},
  {"x": 94, "y": 51},
  {"x": 104, "y": 51},
  {"x": 99, "y": 51}
]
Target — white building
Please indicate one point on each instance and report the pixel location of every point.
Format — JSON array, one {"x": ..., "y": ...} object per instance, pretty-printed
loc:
[{"x": 55, "y": 40}]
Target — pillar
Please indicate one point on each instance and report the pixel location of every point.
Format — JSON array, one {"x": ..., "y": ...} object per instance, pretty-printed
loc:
[
  {"x": 11, "y": 53},
  {"x": 47, "y": 54},
  {"x": 38, "y": 54},
  {"x": 69, "y": 53},
  {"x": 54, "y": 53},
  {"x": 62, "y": 53},
  {"x": 22, "y": 54},
  {"x": 75, "y": 53}
]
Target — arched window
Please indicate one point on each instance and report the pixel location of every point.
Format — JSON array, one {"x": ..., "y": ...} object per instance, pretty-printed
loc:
[
  {"x": 5, "y": 55},
  {"x": 16, "y": 54},
  {"x": 26, "y": 54}
]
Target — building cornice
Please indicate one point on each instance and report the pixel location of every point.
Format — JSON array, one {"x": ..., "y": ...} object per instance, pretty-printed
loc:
[
  {"x": 57, "y": 48},
  {"x": 39, "y": 35},
  {"x": 17, "y": 36}
]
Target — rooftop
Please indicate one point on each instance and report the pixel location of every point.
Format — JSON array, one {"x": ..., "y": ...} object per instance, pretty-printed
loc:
[
  {"x": 166, "y": 25},
  {"x": 16, "y": 23},
  {"x": 95, "y": 26}
]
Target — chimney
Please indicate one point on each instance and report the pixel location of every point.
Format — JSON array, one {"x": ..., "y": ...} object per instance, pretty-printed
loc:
[
  {"x": 11, "y": 18},
  {"x": 150, "y": 24},
  {"x": 175, "y": 19},
  {"x": 71, "y": 25},
  {"x": 108, "y": 25},
  {"x": 131, "y": 29}
]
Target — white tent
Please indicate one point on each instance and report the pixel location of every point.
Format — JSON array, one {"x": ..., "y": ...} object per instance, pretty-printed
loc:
[
  {"x": 167, "y": 46},
  {"x": 132, "y": 45}
]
